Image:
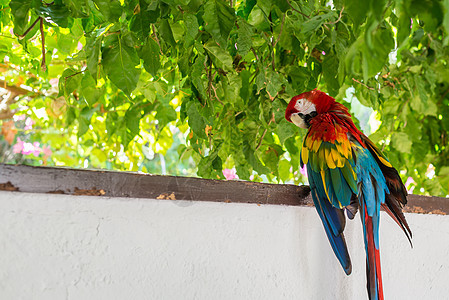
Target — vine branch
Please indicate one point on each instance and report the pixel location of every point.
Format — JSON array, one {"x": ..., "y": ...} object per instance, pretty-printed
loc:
[
  {"x": 43, "y": 63},
  {"x": 255, "y": 54},
  {"x": 265, "y": 132},
  {"x": 359, "y": 82},
  {"x": 156, "y": 38},
  {"x": 300, "y": 12},
  {"x": 22, "y": 36},
  {"x": 339, "y": 16},
  {"x": 280, "y": 32}
]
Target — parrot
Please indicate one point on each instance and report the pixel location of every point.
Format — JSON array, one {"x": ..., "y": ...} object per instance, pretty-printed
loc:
[{"x": 347, "y": 173}]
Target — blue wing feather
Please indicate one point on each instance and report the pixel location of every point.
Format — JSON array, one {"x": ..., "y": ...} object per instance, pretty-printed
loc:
[
  {"x": 373, "y": 187},
  {"x": 332, "y": 218}
]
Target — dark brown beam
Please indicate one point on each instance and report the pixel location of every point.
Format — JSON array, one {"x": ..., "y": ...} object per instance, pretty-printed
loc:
[{"x": 124, "y": 184}]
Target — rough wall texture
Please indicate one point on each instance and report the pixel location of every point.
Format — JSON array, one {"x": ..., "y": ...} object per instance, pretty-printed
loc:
[{"x": 81, "y": 247}]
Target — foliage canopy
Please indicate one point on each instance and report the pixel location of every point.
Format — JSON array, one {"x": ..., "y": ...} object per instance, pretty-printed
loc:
[{"x": 204, "y": 83}]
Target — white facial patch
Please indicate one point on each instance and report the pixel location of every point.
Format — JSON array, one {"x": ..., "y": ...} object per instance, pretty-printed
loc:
[{"x": 304, "y": 106}]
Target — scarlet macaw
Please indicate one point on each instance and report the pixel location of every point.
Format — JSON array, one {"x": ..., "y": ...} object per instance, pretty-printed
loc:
[{"x": 347, "y": 172}]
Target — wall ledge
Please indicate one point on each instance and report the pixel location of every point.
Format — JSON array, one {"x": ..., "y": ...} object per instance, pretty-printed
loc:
[{"x": 56, "y": 180}]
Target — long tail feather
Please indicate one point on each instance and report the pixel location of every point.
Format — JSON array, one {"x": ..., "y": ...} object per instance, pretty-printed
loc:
[
  {"x": 395, "y": 212},
  {"x": 373, "y": 268},
  {"x": 397, "y": 198}
]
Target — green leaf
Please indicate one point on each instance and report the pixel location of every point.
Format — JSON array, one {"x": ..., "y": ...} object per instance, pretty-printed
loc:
[
  {"x": 71, "y": 116},
  {"x": 196, "y": 74},
  {"x": 258, "y": 19},
  {"x": 244, "y": 37},
  {"x": 57, "y": 13},
  {"x": 69, "y": 81},
  {"x": 279, "y": 107},
  {"x": 265, "y": 6},
  {"x": 429, "y": 12},
  {"x": 20, "y": 10},
  {"x": 93, "y": 48},
  {"x": 245, "y": 90},
  {"x": 219, "y": 18},
  {"x": 285, "y": 130},
  {"x": 443, "y": 176},
  {"x": 404, "y": 28},
  {"x": 167, "y": 33},
  {"x": 192, "y": 27},
  {"x": 274, "y": 83},
  {"x": 120, "y": 63},
  {"x": 89, "y": 90},
  {"x": 84, "y": 120},
  {"x": 357, "y": 10},
  {"x": 232, "y": 87},
  {"x": 66, "y": 43},
  {"x": 253, "y": 160},
  {"x": 140, "y": 22},
  {"x": 220, "y": 57},
  {"x": 330, "y": 69},
  {"x": 78, "y": 8},
  {"x": 314, "y": 23},
  {"x": 377, "y": 46},
  {"x": 299, "y": 78},
  {"x": 196, "y": 121},
  {"x": 132, "y": 121},
  {"x": 401, "y": 142},
  {"x": 111, "y": 9},
  {"x": 211, "y": 166},
  {"x": 165, "y": 114},
  {"x": 150, "y": 55},
  {"x": 284, "y": 170}
]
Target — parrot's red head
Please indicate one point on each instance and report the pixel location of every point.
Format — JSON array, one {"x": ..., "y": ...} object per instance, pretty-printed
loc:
[{"x": 304, "y": 107}]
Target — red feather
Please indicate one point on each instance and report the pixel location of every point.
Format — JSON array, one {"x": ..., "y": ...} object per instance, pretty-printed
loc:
[{"x": 373, "y": 270}]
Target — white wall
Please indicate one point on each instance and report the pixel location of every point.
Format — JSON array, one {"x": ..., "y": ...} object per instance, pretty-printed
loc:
[{"x": 83, "y": 247}]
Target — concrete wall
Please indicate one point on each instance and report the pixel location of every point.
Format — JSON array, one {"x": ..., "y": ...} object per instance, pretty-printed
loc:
[{"x": 83, "y": 247}]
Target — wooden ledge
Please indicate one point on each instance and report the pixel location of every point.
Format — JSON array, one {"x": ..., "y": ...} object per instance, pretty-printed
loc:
[{"x": 31, "y": 179}]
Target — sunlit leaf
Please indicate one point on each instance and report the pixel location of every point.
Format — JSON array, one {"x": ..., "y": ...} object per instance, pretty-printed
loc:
[
  {"x": 150, "y": 54},
  {"x": 120, "y": 64}
]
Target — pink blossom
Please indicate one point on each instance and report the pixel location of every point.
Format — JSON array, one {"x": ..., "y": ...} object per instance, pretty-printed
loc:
[
  {"x": 29, "y": 124},
  {"x": 54, "y": 82},
  {"x": 79, "y": 47},
  {"x": 408, "y": 184},
  {"x": 37, "y": 150},
  {"x": 31, "y": 148},
  {"x": 230, "y": 174},
  {"x": 47, "y": 151},
  {"x": 18, "y": 147},
  {"x": 18, "y": 118},
  {"x": 322, "y": 52},
  {"x": 28, "y": 148},
  {"x": 303, "y": 171}
]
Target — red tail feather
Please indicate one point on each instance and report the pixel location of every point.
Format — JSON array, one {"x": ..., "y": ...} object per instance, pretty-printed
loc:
[
  {"x": 379, "y": 275},
  {"x": 373, "y": 269}
]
